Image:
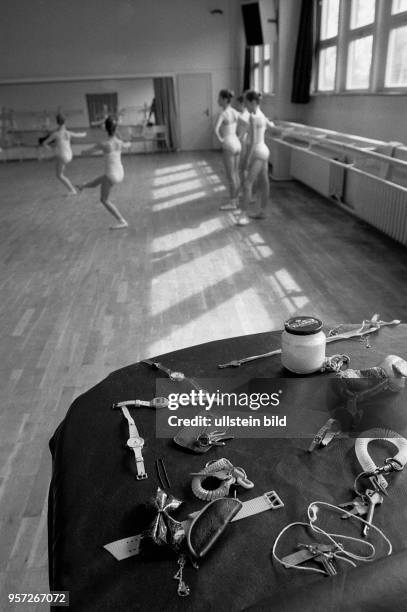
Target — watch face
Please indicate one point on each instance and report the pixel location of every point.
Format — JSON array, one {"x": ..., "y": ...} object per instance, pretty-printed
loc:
[
  {"x": 177, "y": 376},
  {"x": 135, "y": 442}
]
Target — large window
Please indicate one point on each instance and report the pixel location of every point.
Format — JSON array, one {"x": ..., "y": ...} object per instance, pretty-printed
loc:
[
  {"x": 262, "y": 74},
  {"x": 362, "y": 46}
]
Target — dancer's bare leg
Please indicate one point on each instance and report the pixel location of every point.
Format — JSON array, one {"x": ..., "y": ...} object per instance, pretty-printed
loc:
[
  {"x": 61, "y": 176},
  {"x": 253, "y": 172},
  {"x": 263, "y": 184},
  {"x": 95, "y": 183},
  {"x": 236, "y": 174},
  {"x": 105, "y": 190},
  {"x": 229, "y": 160}
]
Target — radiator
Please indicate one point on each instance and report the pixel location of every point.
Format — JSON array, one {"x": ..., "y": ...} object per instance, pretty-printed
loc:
[
  {"x": 337, "y": 175},
  {"x": 379, "y": 202},
  {"x": 311, "y": 169}
]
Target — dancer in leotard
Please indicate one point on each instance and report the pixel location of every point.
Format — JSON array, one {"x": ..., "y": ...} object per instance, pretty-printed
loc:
[
  {"x": 114, "y": 173},
  {"x": 225, "y": 131},
  {"x": 257, "y": 159},
  {"x": 63, "y": 150},
  {"x": 243, "y": 124}
]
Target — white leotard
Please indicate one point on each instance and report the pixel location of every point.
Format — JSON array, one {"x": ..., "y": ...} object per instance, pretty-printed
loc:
[
  {"x": 112, "y": 149},
  {"x": 231, "y": 142},
  {"x": 259, "y": 124},
  {"x": 63, "y": 151}
]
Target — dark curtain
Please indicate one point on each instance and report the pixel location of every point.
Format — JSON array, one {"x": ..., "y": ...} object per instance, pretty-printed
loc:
[
  {"x": 165, "y": 108},
  {"x": 304, "y": 54},
  {"x": 246, "y": 69}
]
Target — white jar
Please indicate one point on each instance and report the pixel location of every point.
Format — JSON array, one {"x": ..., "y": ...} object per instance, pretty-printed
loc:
[{"x": 303, "y": 345}]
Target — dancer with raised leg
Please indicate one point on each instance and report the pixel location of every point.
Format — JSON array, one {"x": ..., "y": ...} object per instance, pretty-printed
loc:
[
  {"x": 257, "y": 160},
  {"x": 112, "y": 149},
  {"x": 63, "y": 150},
  {"x": 225, "y": 130}
]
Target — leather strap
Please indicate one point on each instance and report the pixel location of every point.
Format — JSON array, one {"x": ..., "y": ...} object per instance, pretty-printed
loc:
[{"x": 133, "y": 433}]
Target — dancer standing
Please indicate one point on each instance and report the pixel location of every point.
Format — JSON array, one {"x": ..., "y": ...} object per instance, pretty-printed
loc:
[
  {"x": 114, "y": 173},
  {"x": 225, "y": 131},
  {"x": 243, "y": 126},
  {"x": 257, "y": 159},
  {"x": 63, "y": 150}
]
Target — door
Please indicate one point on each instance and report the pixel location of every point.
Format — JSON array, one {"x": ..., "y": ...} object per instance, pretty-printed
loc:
[{"x": 194, "y": 104}]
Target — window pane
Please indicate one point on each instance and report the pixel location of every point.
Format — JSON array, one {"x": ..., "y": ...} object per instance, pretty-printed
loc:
[
  {"x": 256, "y": 79},
  {"x": 329, "y": 19},
  {"x": 266, "y": 79},
  {"x": 399, "y": 6},
  {"x": 362, "y": 13},
  {"x": 396, "y": 68},
  {"x": 327, "y": 69},
  {"x": 266, "y": 52},
  {"x": 359, "y": 61},
  {"x": 256, "y": 54}
]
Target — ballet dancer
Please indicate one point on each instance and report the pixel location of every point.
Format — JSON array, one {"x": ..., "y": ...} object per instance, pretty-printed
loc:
[
  {"x": 63, "y": 150},
  {"x": 225, "y": 130},
  {"x": 114, "y": 173},
  {"x": 257, "y": 160},
  {"x": 243, "y": 124}
]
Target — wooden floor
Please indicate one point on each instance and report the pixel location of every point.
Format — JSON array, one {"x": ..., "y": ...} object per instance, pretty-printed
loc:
[{"x": 78, "y": 300}]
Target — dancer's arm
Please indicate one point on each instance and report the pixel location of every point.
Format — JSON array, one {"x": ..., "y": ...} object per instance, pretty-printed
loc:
[
  {"x": 218, "y": 126},
  {"x": 51, "y": 138},
  {"x": 78, "y": 134},
  {"x": 94, "y": 149}
]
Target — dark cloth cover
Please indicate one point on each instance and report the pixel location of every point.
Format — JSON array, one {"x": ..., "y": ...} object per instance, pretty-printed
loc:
[{"x": 95, "y": 499}]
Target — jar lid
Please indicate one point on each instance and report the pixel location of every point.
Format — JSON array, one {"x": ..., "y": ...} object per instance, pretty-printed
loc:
[{"x": 303, "y": 326}]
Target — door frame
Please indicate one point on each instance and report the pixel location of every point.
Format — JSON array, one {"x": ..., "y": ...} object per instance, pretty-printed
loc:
[{"x": 210, "y": 102}]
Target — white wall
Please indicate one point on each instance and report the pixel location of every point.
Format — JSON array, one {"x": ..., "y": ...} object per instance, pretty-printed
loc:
[
  {"x": 381, "y": 117},
  {"x": 82, "y": 38}
]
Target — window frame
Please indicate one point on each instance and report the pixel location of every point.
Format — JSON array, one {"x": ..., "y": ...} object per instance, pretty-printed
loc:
[
  {"x": 261, "y": 64},
  {"x": 384, "y": 22}
]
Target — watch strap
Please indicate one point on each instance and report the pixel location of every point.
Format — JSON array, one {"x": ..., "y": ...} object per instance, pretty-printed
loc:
[
  {"x": 133, "y": 431},
  {"x": 141, "y": 470},
  {"x": 267, "y": 501},
  {"x": 157, "y": 365},
  {"x": 125, "y": 548}
]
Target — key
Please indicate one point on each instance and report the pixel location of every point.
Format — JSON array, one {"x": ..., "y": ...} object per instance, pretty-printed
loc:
[
  {"x": 374, "y": 499},
  {"x": 325, "y": 559},
  {"x": 213, "y": 438},
  {"x": 357, "y": 507}
]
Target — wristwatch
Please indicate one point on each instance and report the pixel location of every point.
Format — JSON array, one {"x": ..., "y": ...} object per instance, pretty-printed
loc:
[
  {"x": 176, "y": 376},
  {"x": 136, "y": 442}
]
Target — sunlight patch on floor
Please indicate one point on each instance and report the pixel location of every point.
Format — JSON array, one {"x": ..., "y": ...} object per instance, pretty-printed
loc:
[
  {"x": 225, "y": 320},
  {"x": 165, "y": 192},
  {"x": 179, "y": 284},
  {"x": 167, "y": 179},
  {"x": 185, "y": 235},
  {"x": 169, "y": 169},
  {"x": 258, "y": 246},
  {"x": 191, "y": 197},
  {"x": 288, "y": 291}
]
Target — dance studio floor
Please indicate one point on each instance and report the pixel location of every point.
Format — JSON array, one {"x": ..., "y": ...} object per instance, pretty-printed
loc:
[{"x": 78, "y": 300}]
